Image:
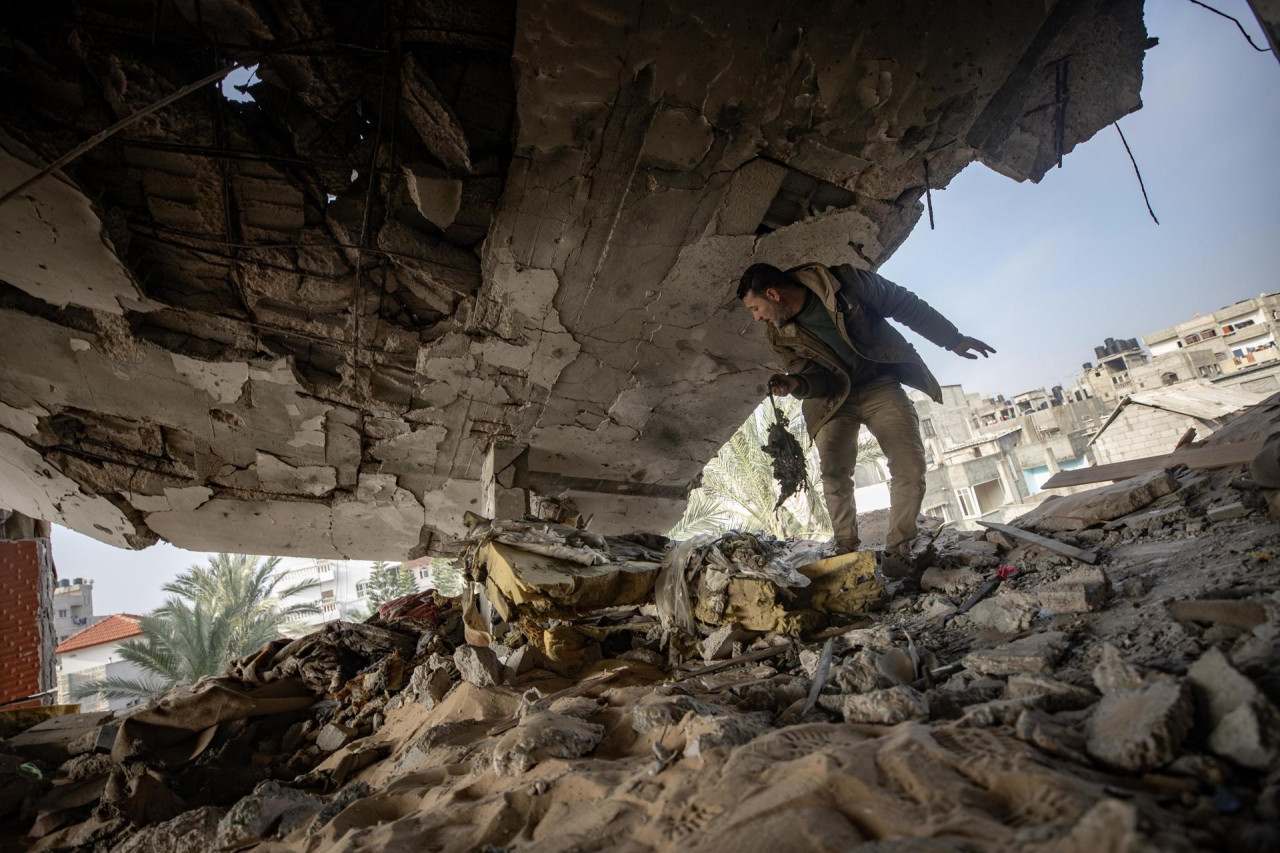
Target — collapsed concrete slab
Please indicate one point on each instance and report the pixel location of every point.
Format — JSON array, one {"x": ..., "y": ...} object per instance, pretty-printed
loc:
[{"x": 392, "y": 250}]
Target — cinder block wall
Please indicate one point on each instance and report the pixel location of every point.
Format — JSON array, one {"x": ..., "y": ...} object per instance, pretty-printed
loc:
[
  {"x": 1141, "y": 431},
  {"x": 27, "y": 661}
]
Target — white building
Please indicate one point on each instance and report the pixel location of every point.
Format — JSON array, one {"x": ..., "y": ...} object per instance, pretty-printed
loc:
[
  {"x": 72, "y": 607},
  {"x": 94, "y": 654}
]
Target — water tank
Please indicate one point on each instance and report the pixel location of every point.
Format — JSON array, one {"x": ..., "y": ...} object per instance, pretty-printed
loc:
[
  {"x": 1099, "y": 353},
  {"x": 64, "y": 582},
  {"x": 78, "y": 581},
  {"x": 1088, "y": 365}
]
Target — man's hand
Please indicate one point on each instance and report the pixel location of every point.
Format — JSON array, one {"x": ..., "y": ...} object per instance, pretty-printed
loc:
[
  {"x": 967, "y": 343},
  {"x": 782, "y": 384}
]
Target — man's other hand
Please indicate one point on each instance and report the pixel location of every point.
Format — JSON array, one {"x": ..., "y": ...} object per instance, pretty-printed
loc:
[
  {"x": 782, "y": 384},
  {"x": 967, "y": 343}
]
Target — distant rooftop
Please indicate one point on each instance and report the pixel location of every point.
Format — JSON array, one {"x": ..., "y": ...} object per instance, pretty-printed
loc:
[{"x": 118, "y": 626}]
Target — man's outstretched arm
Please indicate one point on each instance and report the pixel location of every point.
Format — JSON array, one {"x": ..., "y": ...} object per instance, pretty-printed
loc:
[{"x": 898, "y": 303}]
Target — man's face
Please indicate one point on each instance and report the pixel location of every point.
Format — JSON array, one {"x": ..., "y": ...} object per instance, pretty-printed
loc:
[{"x": 769, "y": 307}]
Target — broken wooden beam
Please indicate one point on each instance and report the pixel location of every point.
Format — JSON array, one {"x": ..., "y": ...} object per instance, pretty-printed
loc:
[
  {"x": 1219, "y": 456},
  {"x": 1090, "y": 556}
]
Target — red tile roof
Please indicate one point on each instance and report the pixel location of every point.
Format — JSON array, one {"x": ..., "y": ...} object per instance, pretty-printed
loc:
[{"x": 118, "y": 626}]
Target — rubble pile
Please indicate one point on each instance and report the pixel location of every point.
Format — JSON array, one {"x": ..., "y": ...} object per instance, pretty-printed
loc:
[{"x": 597, "y": 693}]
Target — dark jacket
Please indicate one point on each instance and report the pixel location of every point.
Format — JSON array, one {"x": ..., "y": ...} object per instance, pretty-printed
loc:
[{"x": 859, "y": 302}]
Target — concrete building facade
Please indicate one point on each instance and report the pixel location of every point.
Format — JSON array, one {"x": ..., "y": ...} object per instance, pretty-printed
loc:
[
  {"x": 92, "y": 655},
  {"x": 72, "y": 606}
]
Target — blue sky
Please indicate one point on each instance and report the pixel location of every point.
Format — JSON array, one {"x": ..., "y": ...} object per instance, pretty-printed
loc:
[
  {"x": 1041, "y": 272},
  {"x": 1044, "y": 272}
]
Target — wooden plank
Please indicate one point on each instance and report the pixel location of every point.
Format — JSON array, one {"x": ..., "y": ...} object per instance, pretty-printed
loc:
[
  {"x": 1219, "y": 456},
  {"x": 1090, "y": 557}
]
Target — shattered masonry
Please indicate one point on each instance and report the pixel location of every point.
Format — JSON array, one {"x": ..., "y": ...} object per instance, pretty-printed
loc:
[{"x": 295, "y": 325}]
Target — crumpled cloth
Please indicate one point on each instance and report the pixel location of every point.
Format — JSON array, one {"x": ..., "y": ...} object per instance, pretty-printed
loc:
[{"x": 428, "y": 605}]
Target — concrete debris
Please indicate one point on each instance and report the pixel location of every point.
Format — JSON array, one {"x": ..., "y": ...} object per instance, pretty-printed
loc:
[
  {"x": 1243, "y": 724},
  {"x": 542, "y": 736},
  {"x": 478, "y": 665},
  {"x": 586, "y": 705},
  {"x": 1036, "y": 653},
  {"x": 886, "y": 707},
  {"x": 1141, "y": 729},
  {"x": 271, "y": 809}
]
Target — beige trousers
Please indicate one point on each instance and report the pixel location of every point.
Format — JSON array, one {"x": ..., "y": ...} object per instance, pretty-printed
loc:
[{"x": 884, "y": 408}]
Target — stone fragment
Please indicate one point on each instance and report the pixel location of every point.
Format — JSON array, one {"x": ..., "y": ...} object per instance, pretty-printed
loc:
[
  {"x": 339, "y": 801},
  {"x": 719, "y": 644},
  {"x": 950, "y": 581},
  {"x": 478, "y": 665},
  {"x": 575, "y": 706},
  {"x": 1113, "y": 675},
  {"x": 272, "y": 809},
  {"x": 1035, "y": 653},
  {"x": 1239, "y": 613},
  {"x": 998, "y": 712},
  {"x": 972, "y": 552},
  {"x": 1057, "y": 695},
  {"x": 1084, "y": 509},
  {"x": 540, "y": 736},
  {"x": 194, "y": 831},
  {"x": 702, "y": 733},
  {"x": 887, "y": 707},
  {"x": 1226, "y": 512},
  {"x": 648, "y": 656},
  {"x": 430, "y": 682},
  {"x": 1006, "y": 612},
  {"x": 334, "y": 736},
  {"x": 1081, "y": 590},
  {"x": 1141, "y": 729},
  {"x": 861, "y": 672},
  {"x": 1001, "y": 540},
  {"x": 1243, "y": 725},
  {"x": 654, "y": 713},
  {"x": 1038, "y": 728}
]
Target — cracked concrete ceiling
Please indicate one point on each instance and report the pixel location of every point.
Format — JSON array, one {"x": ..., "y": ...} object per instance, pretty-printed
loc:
[{"x": 294, "y": 325}]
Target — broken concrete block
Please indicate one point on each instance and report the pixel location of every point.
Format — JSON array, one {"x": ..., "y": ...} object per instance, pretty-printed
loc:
[
  {"x": 334, "y": 736},
  {"x": 1002, "y": 541},
  {"x": 189, "y": 832},
  {"x": 1007, "y": 612},
  {"x": 272, "y": 809},
  {"x": 1081, "y": 590},
  {"x": 1141, "y": 729},
  {"x": 973, "y": 552},
  {"x": 950, "y": 581},
  {"x": 654, "y": 713},
  {"x": 861, "y": 672},
  {"x": 886, "y": 707},
  {"x": 540, "y": 736},
  {"x": 1057, "y": 695},
  {"x": 1037, "y": 653},
  {"x": 1242, "y": 722},
  {"x": 1226, "y": 512},
  {"x": 1084, "y": 509},
  {"x": 339, "y": 801},
  {"x": 478, "y": 665},
  {"x": 1038, "y": 728},
  {"x": 702, "y": 733},
  {"x": 1239, "y": 613},
  {"x": 1113, "y": 674},
  {"x": 720, "y": 642},
  {"x": 429, "y": 685}
]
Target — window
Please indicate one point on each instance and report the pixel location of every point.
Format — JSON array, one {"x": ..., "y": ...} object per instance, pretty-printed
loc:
[
  {"x": 1193, "y": 339},
  {"x": 927, "y": 426},
  {"x": 62, "y": 614},
  {"x": 1169, "y": 378},
  {"x": 326, "y": 594},
  {"x": 360, "y": 588},
  {"x": 1208, "y": 333},
  {"x": 977, "y": 453},
  {"x": 968, "y": 505},
  {"x": 424, "y": 574}
]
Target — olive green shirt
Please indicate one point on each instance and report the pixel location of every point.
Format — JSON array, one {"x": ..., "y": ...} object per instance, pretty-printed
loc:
[{"x": 815, "y": 319}]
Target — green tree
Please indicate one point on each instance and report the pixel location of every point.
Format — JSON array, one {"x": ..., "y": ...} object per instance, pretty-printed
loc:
[
  {"x": 738, "y": 490},
  {"x": 446, "y": 577},
  {"x": 387, "y": 583},
  {"x": 214, "y": 614}
]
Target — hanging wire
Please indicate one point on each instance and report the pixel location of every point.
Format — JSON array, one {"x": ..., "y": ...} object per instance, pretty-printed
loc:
[
  {"x": 928, "y": 193},
  {"x": 1239, "y": 25},
  {"x": 1141, "y": 185}
]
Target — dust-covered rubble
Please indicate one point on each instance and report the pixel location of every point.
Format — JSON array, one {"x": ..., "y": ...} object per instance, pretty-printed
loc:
[{"x": 599, "y": 693}]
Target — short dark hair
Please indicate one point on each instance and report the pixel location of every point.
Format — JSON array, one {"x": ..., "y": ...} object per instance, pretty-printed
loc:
[{"x": 760, "y": 277}]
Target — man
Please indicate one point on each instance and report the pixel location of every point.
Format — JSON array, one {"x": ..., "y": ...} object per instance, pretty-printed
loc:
[{"x": 844, "y": 360}]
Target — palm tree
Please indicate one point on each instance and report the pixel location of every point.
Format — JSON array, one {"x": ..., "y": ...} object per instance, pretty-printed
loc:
[{"x": 214, "y": 614}]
